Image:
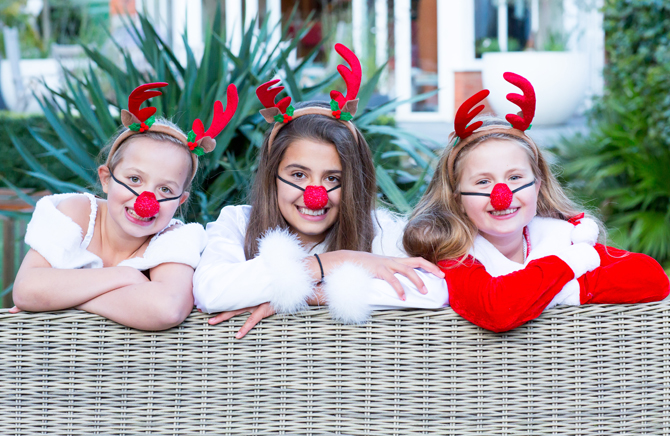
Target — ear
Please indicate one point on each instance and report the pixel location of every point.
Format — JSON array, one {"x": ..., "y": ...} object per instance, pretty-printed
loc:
[
  {"x": 538, "y": 184},
  {"x": 103, "y": 175},
  {"x": 184, "y": 197}
]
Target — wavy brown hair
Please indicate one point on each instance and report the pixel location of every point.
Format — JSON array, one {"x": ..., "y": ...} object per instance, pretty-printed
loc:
[
  {"x": 439, "y": 229},
  {"x": 354, "y": 228}
]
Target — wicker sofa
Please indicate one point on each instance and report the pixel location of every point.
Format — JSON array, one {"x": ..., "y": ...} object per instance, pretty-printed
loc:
[{"x": 575, "y": 370}]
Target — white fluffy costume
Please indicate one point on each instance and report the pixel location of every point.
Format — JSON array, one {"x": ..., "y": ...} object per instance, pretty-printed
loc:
[
  {"x": 62, "y": 243},
  {"x": 225, "y": 280}
]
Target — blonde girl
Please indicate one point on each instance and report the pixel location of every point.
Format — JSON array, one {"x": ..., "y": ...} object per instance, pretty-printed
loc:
[
  {"x": 509, "y": 240},
  {"x": 124, "y": 257}
]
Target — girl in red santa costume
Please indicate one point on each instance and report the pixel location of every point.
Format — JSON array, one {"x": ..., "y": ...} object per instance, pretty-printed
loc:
[
  {"x": 510, "y": 242},
  {"x": 124, "y": 257},
  {"x": 312, "y": 233}
]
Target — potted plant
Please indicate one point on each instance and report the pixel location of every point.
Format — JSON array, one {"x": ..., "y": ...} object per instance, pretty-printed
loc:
[{"x": 560, "y": 77}]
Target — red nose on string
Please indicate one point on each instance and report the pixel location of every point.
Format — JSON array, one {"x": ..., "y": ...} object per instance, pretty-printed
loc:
[
  {"x": 315, "y": 197},
  {"x": 146, "y": 205},
  {"x": 501, "y": 196}
]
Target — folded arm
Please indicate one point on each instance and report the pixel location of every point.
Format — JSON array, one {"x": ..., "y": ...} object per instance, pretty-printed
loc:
[
  {"x": 159, "y": 304},
  {"x": 40, "y": 287}
]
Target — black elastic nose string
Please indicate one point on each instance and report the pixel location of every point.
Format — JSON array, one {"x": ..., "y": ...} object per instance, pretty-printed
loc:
[
  {"x": 136, "y": 194},
  {"x": 488, "y": 195},
  {"x": 303, "y": 189}
]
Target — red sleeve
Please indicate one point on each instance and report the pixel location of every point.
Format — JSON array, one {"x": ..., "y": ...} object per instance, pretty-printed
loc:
[
  {"x": 623, "y": 277},
  {"x": 504, "y": 302}
]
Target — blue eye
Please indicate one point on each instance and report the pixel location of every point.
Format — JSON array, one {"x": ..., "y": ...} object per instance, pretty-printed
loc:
[{"x": 482, "y": 182}]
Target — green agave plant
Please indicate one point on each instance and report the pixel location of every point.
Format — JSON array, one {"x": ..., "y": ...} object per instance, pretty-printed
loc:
[{"x": 84, "y": 117}]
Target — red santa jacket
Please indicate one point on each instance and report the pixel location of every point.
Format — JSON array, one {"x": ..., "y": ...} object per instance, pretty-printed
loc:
[{"x": 563, "y": 267}]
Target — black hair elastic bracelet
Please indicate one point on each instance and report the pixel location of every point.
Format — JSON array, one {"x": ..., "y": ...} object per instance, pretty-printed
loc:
[{"x": 320, "y": 267}]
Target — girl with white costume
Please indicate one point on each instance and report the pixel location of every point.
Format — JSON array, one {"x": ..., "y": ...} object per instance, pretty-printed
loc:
[
  {"x": 125, "y": 257},
  {"x": 311, "y": 234}
]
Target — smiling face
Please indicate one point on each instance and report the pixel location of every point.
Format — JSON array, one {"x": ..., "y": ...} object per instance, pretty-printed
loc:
[
  {"x": 146, "y": 165},
  {"x": 492, "y": 162},
  {"x": 308, "y": 163}
]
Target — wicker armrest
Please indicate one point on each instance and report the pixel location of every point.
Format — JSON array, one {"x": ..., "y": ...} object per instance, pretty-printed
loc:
[{"x": 575, "y": 370}]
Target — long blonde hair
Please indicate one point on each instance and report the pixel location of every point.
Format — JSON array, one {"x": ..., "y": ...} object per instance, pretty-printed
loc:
[{"x": 439, "y": 229}]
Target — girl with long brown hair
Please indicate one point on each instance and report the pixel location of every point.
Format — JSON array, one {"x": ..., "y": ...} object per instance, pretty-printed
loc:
[
  {"x": 509, "y": 240},
  {"x": 312, "y": 233}
]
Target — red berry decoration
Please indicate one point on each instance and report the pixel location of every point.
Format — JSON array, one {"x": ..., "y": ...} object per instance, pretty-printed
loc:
[
  {"x": 287, "y": 118},
  {"x": 337, "y": 114},
  {"x": 315, "y": 197},
  {"x": 501, "y": 196},
  {"x": 146, "y": 205}
]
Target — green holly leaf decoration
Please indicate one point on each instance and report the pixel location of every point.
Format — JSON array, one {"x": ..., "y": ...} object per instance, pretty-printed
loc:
[
  {"x": 346, "y": 116},
  {"x": 334, "y": 106},
  {"x": 279, "y": 118},
  {"x": 135, "y": 127},
  {"x": 290, "y": 110},
  {"x": 529, "y": 126},
  {"x": 191, "y": 136},
  {"x": 150, "y": 121},
  {"x": 198, "y": 151}
]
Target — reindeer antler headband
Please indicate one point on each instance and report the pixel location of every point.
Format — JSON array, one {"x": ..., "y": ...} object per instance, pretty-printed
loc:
[
  {"x": 464, "y": 134},
  {"x": 198, "y": 140},
  {"x": 342, "y": 107}
]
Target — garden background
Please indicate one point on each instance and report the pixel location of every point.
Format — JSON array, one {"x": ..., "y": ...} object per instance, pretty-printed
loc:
[{"x": 618, "y": 168}]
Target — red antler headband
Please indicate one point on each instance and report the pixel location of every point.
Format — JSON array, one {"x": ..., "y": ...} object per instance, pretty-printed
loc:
[
  {"x": 464, "y": 134},
  {"x": 198, "y": 140},
  {"x": 342, "y": 107}
]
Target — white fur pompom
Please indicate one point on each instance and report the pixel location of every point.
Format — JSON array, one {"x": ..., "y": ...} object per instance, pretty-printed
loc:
[
  {"x": 284, "y": 256},
  {"x": 347, "y": 287},
  {"x": 586, "y": 231}
]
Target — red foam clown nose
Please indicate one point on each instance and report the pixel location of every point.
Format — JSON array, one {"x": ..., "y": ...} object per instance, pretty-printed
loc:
[
  {"x": 315, "y": 197},
  {"x": 146, "y": 205},
  {"x": 501, "y": 196}
]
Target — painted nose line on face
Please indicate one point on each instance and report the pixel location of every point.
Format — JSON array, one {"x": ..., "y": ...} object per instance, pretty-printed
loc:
[
  {"x": 314, "y": 197},
  {"x": 501, "y": 195}
]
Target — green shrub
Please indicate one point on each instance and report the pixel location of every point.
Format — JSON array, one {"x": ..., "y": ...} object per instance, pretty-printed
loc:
[
  {"x": 624, "y": 163},
  {"x": 17, "y": 127}
]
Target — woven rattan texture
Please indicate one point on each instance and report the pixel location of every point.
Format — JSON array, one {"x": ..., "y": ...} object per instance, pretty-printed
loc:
[{"x": 574, "y": 371}]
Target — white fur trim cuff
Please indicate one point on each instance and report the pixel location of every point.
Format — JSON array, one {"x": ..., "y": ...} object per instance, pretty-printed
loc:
[
  {"x": 347, "y": 288},
  {"x": 586, "y": 231},
  {"x": 284, "y": 258},
  {"x": 580, "y": 258},
  {"x": 569, "y": 295}
]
